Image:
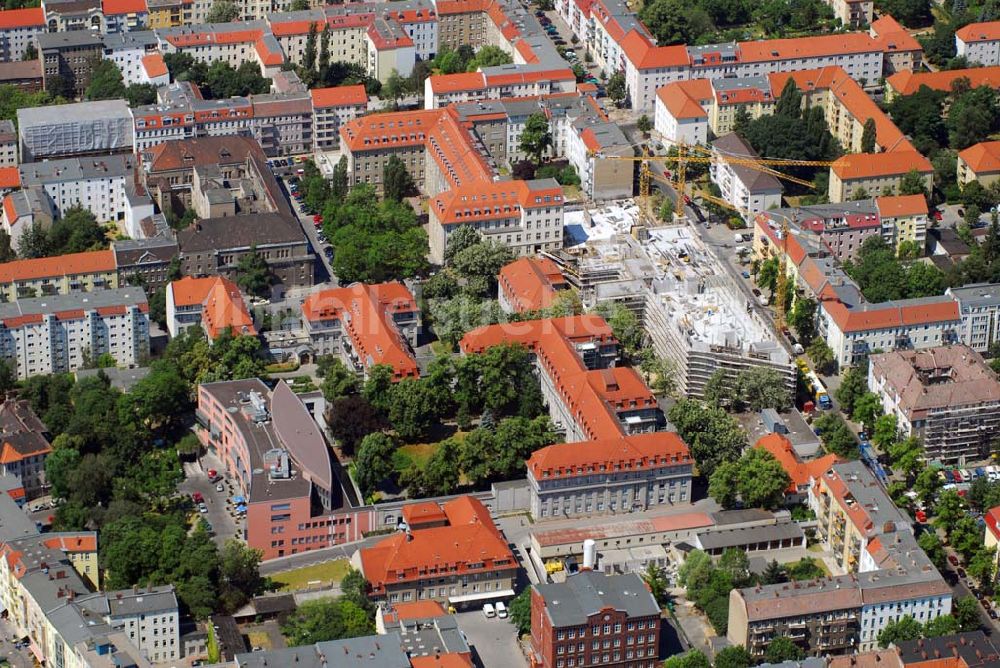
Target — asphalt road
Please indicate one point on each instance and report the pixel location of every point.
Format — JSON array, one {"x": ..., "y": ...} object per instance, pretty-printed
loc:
[
  {"x": 218, "y": 515},
  {"x": 494, "y": 641},
  {"x": 324, "y": 271}
]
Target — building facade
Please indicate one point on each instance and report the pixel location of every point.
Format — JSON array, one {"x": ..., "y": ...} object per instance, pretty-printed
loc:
[{"x": 619, "y": 475}]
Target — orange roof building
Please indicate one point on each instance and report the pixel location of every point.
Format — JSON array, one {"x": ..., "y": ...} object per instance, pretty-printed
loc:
[
  {"x": 65, "y": 274},
  {"x": 215, "y": 303},
  {"x": 909, "y": 82},
  {"x": 799, "y": 472},
  {"x": 656, "y": 470},
  {"x": 587, "y": 397},
  {"x": 977, "y": 43},
  {"x": 530, "y": 284},
  {"x": 24, "y": 445},
  {"x": 980, "y": 162},
  {"x": 367, "y": 325},
  {"x": 464, "y": 561}
]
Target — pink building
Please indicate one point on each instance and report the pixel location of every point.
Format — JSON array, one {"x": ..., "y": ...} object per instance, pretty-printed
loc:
[{"x": 274, "y": 452}]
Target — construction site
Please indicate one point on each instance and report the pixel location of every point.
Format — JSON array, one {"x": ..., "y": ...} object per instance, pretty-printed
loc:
[{"x": 693, "y": 309}]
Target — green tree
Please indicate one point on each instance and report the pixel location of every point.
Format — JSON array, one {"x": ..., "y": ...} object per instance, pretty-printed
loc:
[
  {"x": 373, "y": 464},
  {"x": 624, "y": 325},
  {"x": 656, "y": 579},
  {"x": 413, "y": 409},
  {"x": 309, "y": 55},
  {"x": 782, "y": 649},
  {"x": 324, "y": 49},
  {"x": 691, "y": 659},
  {"x": 927, "y": 484},
  {"x": 673, "y": 22},
  {"x": 325, "y": 619},
  {"x": 253, "y": 273},
  {"x": 931, "y": 545},
  {"x": 837, "y": 436},
  {"x": 885, "y": 433},
  {"x": 734, "y": 656},
  {"x": 972, "y": 117},
  {"x": 396, "y": 180},
  {"x": 519, "y": 612},
  {"x": 338, "y": 181},
  {"x": 910, "y": 13},
  {"x": 867, "y": 409},
  {"x": 905, "y": 628},
  {"x": 789, "y": 103},
  {"x": 712, "y": 435},
  {"x": 140, "y": 94},
  {"x": 378, "y": 388},
  {"x": 774, "y": 573},
  {"x": 757, "y": 478},
  {"x": 912, "y": 183},
  {"x": 338, "y": 380},
  {"x": 906, "y": 455},
  {"x": 948, "y": 510},
  {"x": 489, "y": 56},
  {"x": 222, "y": 11},
  {"x": 853, "y": 385},
  {"x": 106, "y": 81},
  {"x": 349, "y": 419},
  {"x": 868, "y": 137},
  {"x": 821, "y": 355},
  {"x": 802, "y": 318},
  {"x": 536, "y": 138},
  {"x": 58, "y": 467},
  {"x": 944, "y": 625},
  {"x": 617, "y": 89},
  {"x": 239, "y": 575},
  {"x": 644, "y": 125},
  {"x": 966, "y": 613}
]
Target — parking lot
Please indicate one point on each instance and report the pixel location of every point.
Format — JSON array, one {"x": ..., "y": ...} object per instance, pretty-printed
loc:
[
  {"x": 494, "y": 641},
  {"x": 219, "y": 511}
]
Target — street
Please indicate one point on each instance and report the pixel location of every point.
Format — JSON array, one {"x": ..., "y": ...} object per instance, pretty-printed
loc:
[
  {"x": 219, "y": 516},
  {"x": 324, "y": 270}
]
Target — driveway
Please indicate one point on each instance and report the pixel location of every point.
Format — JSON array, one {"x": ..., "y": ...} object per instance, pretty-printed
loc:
[
  {"x": 324, "y": 272},
  {"x": 219, "y": 512},
  {"x": 493, "y": 641}
]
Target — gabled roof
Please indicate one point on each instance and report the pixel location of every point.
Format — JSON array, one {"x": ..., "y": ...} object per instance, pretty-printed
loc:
[
  {"x": 627, "y": 453},
  {"x": 22, "y": 18},
  {"x": 684, "y": 99},
  {"x": 908, "y": 82},
  {"x": 118, "y": 7},
  {"x": 896, "y": 206},
  {"x": 644, "y": 56},
  {"x": 221, "y": 302},
  {"x": 874, "y": 165},
  {"x": 979, "y": 32},
  {"x": 339, "y": 96},
  {"x": 71, "y": 264},
  {"x": 530, "y": 283},
  {"x": 982, "y": 158},
  {"x": 799, "y": 472}
]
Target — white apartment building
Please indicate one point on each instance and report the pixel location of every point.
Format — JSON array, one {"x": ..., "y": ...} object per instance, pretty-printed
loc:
[
  {"x": 150, "y": 619},
  {"x": 494, "y": 83},
  {"x": 680, "y": 115},
  {"x": 8, "y": 144},
  {"x": 332, "y": 108},
  {"x": 135, "y": 54},
  {"x": 105, "y": 186},
  {"x": 979, "y": 308},
  {"x": 979, "y": 43},
  {"x": 18, "y": 28},
  {"x": 751, "y": 191},
  {"x": 58, "y": 333}
]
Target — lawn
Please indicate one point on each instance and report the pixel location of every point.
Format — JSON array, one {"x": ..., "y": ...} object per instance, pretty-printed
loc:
[
  {"x": 310, "y": 576},
  {"x": 259, "y": 639}
]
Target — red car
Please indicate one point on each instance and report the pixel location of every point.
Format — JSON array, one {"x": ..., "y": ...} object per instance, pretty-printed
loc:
[
  {"x": 318, "y": 218},
  {"x": 197, "y": 497},
  {"x": 921, "y": 516},
  {"x": 953, "y": 560}
]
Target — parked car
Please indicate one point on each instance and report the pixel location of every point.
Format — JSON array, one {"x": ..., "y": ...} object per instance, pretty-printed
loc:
[
  {"x": 501, "y": 610},
  {"x": 489, "y": 611},
  {"x": 961, "y": 572},
  {"x": 949, "y": 477},
  {"x": 979, "y": 472},
  {"x": 220, "y": 487},
  {"x": 958, "y": 476},
  {"x": 202, "y": 508},
  {"x": 745, "y": 274},
  {"x": 198, "y": 498}
]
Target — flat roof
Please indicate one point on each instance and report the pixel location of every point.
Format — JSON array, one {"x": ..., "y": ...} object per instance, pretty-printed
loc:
[{"x": 79, "y": 112}]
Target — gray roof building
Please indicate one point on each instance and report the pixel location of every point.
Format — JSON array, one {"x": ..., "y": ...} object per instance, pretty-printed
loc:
[
  {"x": 83, "y": 128},
  {"x": 570, "y": 603},
  {"x": 365, "y": 652}
]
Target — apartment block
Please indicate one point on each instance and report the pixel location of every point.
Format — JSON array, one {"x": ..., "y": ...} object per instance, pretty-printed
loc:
[
  {"x": 979, "y": 309},
  {"x": 69, "y": 57},
  {"x": 22, "y": 210},
  {"x": 365, "y": 325},
  {"x": 908, "y": 82},
  {"x": 18, "y": 28},
  {"x": 275, "y": 453},
  {"x": 331, "y": 109},
  {"x": 23, "y": 74},
  {"x": 888, "y": 576},
  {"x": 213, "y": 303},
  {"x": 588, "y": 397},
  {"x": 122, "y": 16},
  {"x": 679, "y": 111},
  {"x": 104, "y": 186},
  {"x": 60, "y": 333},
  {"x": 904, "y": 219},
  {"x": 592, "y": 619},
  {"x": 145, "y": 261},
  {"x": 452, "y": 553},
  {"x": 493, "y": 83},
  {"x": 25, "y": 446},
  {"x": 979, "y": 43},
  {"x": 748, "y": 190},
  {"x": 842, "y": 227},
  {"x": 81, "y": 129},
  {"x": 530, "y": 284},
  {"x": 137, "y": 55},
  {"x": 801, "y": 474},
  {"x": 149, "y": 617},
  {"x": 980, "y": 162},
  {"x": 617, "y": 475},
  {"x": 947, "y": 397},
  {"x": 73, "y": 273}
]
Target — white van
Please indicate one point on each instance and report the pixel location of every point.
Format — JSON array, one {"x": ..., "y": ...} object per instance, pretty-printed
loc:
[
  {"x": 489, "y": 611},
  {"x": 501, "y": 610}
]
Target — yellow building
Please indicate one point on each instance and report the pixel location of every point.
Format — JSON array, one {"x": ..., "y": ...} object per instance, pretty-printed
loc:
[
  {"x": 906, "y": 216},
  {"x": 169, "y": 13},
  {"x": 62, "y": 275},
  {"x": 980, "y": 162},
  {"x": 861, "y": 175}
]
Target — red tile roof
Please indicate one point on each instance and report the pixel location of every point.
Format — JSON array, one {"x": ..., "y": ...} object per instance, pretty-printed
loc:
[
  {"x": 10, "y": 177},
  {"x": 979, "y": 32},
  {"x": 22, "y": 18},
  {"x": 154, "y": 65},
  {"x": 118, "y": 7},
  {"x": 798, "y": 471},
  {"x": 365, "y": 312},
  {"x": 873, "y": 165},
  {"x": 530, "y": 283},
  {"x": 455, "y": 83},
  {"x": 221, "y": 302},
  {"x": 901, "y": 205},
  {"x": 71, "y": 264},
  {"x": 627, "y": 453},
  {"x": 684, "y": 99},
  {"x": 992, "y": 518},
  {"x": 339, "y": 96},
  {"x": 450, "y": 660},
  {"x": 382, "y": 131},
  {"x": 83, "y": 542},
  {"x": 593, "y": 398},
  {"x": 417, "y": 609},
  {"x": 982, "y": 158},
  {"x": 908, "y": 82},
  {"x": 644, "y": 56},
  {"x": 469, "y": 538},
  {"x": 807, "y": 47},
  {"x": 424, "y": 512}
]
